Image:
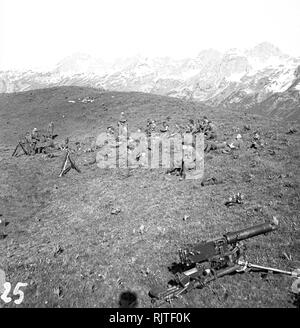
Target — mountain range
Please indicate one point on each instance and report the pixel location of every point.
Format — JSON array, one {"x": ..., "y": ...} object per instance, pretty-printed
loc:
[{"x": 260, "y": 77}]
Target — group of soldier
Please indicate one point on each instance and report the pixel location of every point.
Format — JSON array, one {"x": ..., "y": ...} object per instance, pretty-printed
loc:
[
  {"x": 204, "y": 125},
  {"x": 199, "y": 126},
  {"x": 37, "y": 141},
  {"x": 40, "y": 141}
]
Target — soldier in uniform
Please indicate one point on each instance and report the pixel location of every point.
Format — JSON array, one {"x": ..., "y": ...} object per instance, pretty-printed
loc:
[
  {"x": 28, "y": 138},
  {"x": 256, "y": 142},
  {"x": 122, "y": 125},
  {"x": 66, "y": 144},
  {"x": 204, "y": 123},
  {"x": 210, "y": 131},
  {"x": 110, "y": 130},
  {"x": 164, "y": 127},
  {"x": 122, "y": 119},
  {"x": 151, "y": 126},
  {"x": 148, "y": 129},
  {"x": 34, "y": 133},
  {"x": 50, "y": 130},
  {"x": 198, "y": 126},
  {"x": 28, "y": 141},
  {"x": 35, "y": 139},
  {"x": 226, "y": 147},
  {"x": 190, "y": 126},
  {"x": 211, "y": 145}
]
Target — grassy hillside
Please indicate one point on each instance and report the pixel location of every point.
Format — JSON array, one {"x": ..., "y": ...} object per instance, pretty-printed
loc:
[{"x": 63, "y": 240}]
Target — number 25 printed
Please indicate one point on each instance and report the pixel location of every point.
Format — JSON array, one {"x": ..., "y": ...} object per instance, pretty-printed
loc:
[{"x": 16, "y": 291}]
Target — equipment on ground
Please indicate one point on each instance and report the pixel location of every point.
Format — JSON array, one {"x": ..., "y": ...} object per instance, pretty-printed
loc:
[
  {"x": 65, "y": 168},
  {"x": 210, "y": 260}
]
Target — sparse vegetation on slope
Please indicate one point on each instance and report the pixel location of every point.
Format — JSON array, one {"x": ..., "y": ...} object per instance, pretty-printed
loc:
[{"x": 65, "y": 239}]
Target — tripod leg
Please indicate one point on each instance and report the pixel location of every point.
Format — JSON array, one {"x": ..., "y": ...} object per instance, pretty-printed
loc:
[
  {"x": 24, "y": 150},
  {"x": 15, "y": 151},
  {"x": 66, "y": 170},
  {"x": 64, "y": 162},
  {"x": 182, "y": 170},
  {"x": 64, "y": 166},
  {"x": 73, "y": 165}
]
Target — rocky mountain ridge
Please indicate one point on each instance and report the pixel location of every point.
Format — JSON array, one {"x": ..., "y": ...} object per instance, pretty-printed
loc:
[{"x": 260, "y": 75}]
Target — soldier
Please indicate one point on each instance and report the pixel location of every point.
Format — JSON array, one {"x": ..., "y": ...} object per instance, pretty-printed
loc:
[
  {"x": 177, "y": 128},
  {"x": 151, "y": 126},
  {"x": 29, "y": 144},
  {"x": 65, "y": 144},
  {"x": 34, "y": 133},
  {"x": 67, "y": 140},
  {"x": 210, "y": 131},
  {"x": 190, "y": 126},
  {"x": 198, "y": 125},
  {"x": 194, "y": 128},
  {"x": 28, "y": 138},
  {"x": 256, "y": 136},
  {"x": 164, "y": 127},
  {"x": 201, "y": 125},
  {"x": 213, "y": 146},
  {"x": 256, "y": 142},
  {"x": 205, "y": 123},
  {"x": 122, "y": 125},
  {"x": 226, "y": 146},
  {"x": 35, "y": 139},
  {"x": 148, "y": 130},
  {"x": 122, "y": 119},
  {"x": 50, "y": 130},
  {"x": 110, "y": 130}
]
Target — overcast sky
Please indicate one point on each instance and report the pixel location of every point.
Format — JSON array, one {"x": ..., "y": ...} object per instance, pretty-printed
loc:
[{"x": 35, "y": 33}]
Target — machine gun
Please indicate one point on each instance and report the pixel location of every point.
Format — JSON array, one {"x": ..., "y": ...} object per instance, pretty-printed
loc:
[{"x": 209, "y": 260}]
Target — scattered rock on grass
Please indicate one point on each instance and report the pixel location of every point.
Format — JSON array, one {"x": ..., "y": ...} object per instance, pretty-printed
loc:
[
  {"x": 58, "y": 250},
  {"x": 292, "y": 131},
  {"x": 211, "y": 181},
  {"x": 58, "y": 291},
  {"x": 186, "y": 217},
  {"x": 235, "y": 199},
  {"x": 120, "y": 282},
  {"x": 142, "y": 229},
  {"x": 115, "y": 211},
  {"x": 145, "y": 272}
]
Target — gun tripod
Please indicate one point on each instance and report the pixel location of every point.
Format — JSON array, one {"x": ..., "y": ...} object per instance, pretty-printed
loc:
[
  {"x": 22, "y": 147},
  {"x": 65, "y": 168}
]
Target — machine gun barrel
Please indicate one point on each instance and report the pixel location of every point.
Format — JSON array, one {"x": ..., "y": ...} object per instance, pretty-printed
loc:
[
  {"x": 234, "y": 237},
  {"x": 225, "y": 245}
]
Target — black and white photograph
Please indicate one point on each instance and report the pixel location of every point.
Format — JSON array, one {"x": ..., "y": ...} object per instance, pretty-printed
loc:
[{"x": 149, "y": 156}]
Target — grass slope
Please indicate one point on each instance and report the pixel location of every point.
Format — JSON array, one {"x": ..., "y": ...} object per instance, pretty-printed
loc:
[{"x": 65, "y": 243}]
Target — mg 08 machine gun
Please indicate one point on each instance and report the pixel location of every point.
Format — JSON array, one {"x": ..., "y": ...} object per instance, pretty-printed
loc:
[{"x": 209, "y": 260}]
